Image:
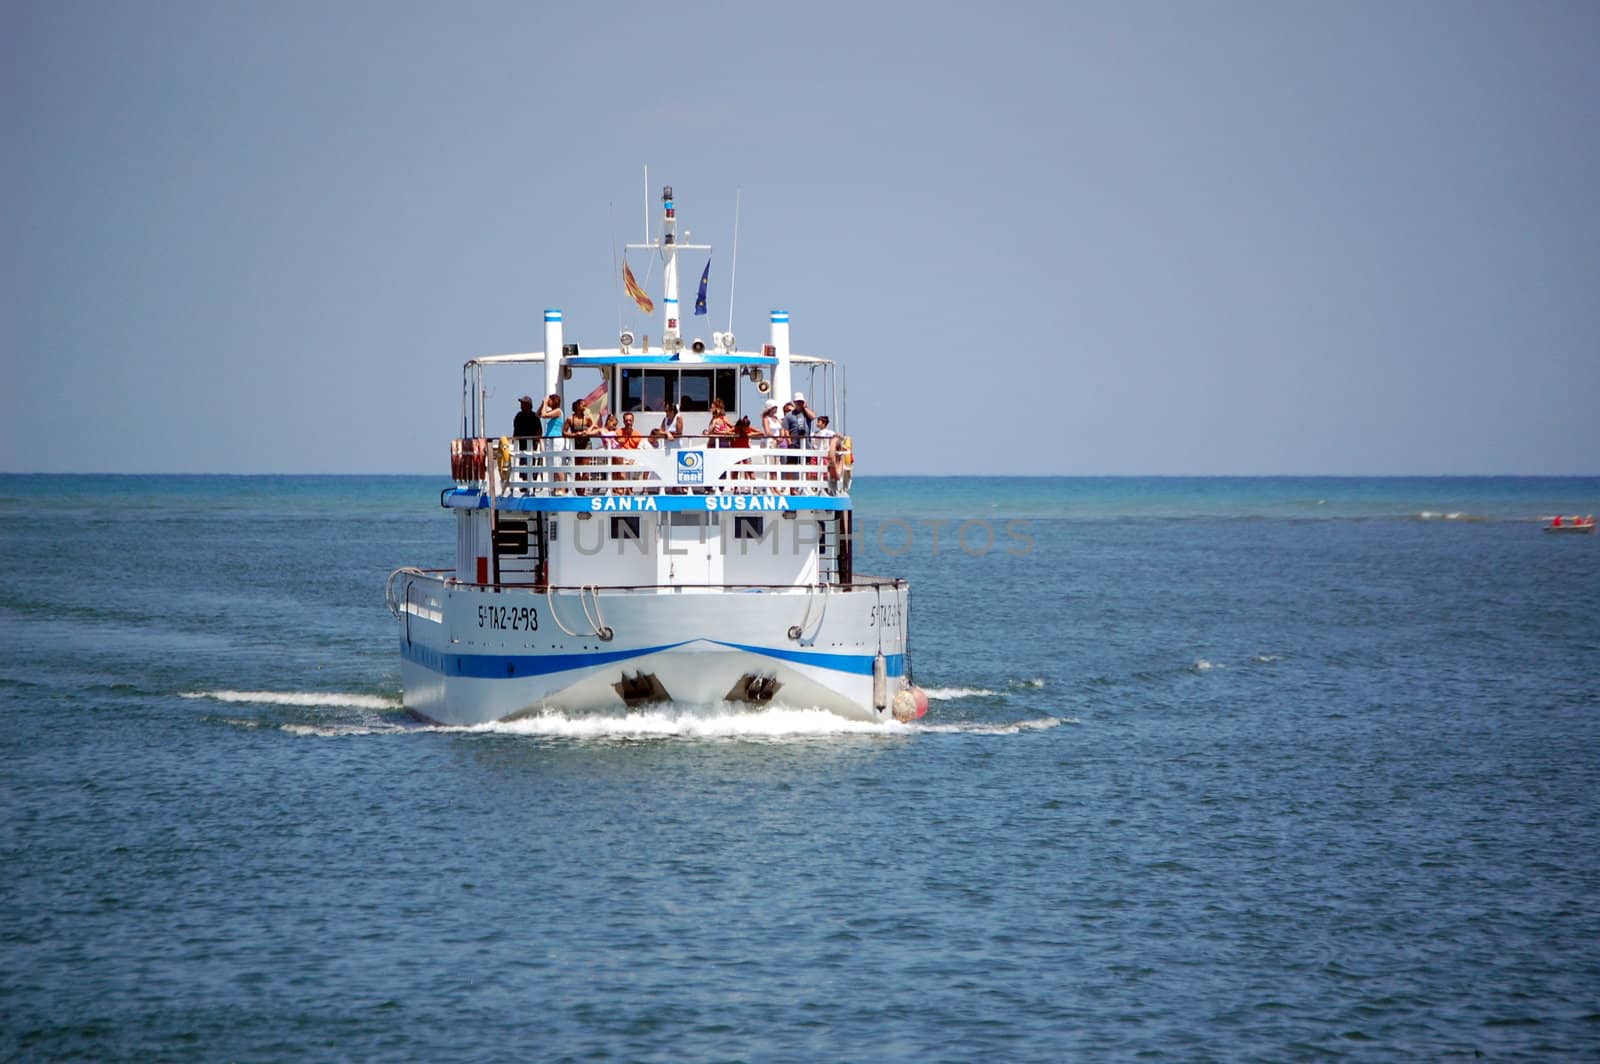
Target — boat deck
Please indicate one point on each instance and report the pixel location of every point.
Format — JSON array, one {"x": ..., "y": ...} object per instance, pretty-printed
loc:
[{"x": 550, "y": 467}]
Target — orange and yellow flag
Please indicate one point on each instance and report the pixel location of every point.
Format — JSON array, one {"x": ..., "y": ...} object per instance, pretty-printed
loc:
[{"x": 635, "y": 291}]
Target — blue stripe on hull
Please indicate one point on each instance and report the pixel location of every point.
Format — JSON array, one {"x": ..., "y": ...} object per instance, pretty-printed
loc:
[
  {"x": 855, "y": 664},
  {"x": 503, "y": 666}
]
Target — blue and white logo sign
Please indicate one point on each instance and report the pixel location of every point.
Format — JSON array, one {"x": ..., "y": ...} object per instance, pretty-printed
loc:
[{"x": 691, "y": 467}]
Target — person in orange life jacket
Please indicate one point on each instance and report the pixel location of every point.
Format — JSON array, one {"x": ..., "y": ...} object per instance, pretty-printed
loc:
[{"x": 628, "y": 439}]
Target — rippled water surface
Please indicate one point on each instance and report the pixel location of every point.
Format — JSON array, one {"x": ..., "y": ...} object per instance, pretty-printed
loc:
[{"x": 1262, "y": 769}]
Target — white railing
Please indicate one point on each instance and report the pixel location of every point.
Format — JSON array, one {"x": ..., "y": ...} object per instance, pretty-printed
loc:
[{"x": 554, "y": 466}]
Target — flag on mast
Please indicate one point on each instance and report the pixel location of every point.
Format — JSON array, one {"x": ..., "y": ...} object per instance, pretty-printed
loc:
[
  {"x": 700, "y": 300},
  {"x": 636, "y": 292}
]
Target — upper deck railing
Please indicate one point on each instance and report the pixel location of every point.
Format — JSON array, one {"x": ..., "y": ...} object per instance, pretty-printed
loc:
[{"x": 554, "y": 466}]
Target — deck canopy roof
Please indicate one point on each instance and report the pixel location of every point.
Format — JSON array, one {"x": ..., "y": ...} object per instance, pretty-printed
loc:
[{"x": 614, "y": 357}]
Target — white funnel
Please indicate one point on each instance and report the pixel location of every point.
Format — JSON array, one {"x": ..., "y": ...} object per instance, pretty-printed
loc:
[
  {"x": 552, "y": 355},
  {"x": 780, "y": 346}
]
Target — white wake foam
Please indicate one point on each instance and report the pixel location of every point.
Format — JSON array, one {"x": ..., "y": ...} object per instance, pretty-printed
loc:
[
  {"x": 315, "y": 699},
  {"x": 688, "y": 723},
  {"x": 980, "y": 728},
  {"x": 685, "y": 722},
  {"x": 340, "y": 730},
  {"x": 942, "y": 694}
]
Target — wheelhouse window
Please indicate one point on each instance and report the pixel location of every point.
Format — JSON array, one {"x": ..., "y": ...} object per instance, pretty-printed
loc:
[
  {"x": 649, "y": 389},
  {"x": 699, "y": 386},
  {"x": 691, "y": 389},
  {"x": 625, "y": 528},
  {"x": 747, "y": 526}
]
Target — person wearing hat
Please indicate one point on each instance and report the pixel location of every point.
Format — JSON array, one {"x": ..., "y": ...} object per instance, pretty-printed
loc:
[
  {"x": 771, "y": 421},
  {"x": 796, "y": 427},
  {"x": 525, "y": 430},
  {"x": 797, "y": 423},
  {"x": 526, "y": 425}
]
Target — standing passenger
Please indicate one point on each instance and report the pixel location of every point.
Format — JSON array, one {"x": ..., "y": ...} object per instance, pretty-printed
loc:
[
  {"x": 797, "y": 423},
  {"x": 671, "y": 426},
  {"x": 551, "y": 413},
  {"x": 579, "y": 428},
  {"x": 720, "y": 425},
  {"x": 772, "y": 432},
  {"x": 827, "y": 441},
  {"x": 628, "y": 439},
  {"x": 525, "y": 429},
  {"x": 526, "y": 425},
  {"x": 771, "y": 420},
  {"x": 796, "y": 427}
]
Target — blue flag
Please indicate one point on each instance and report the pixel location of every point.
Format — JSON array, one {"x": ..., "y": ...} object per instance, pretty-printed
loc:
[{"x": 700, "y": 300}]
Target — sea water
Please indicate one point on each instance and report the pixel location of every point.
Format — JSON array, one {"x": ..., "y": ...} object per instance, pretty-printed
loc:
[{"x": 1215, "y": 768}]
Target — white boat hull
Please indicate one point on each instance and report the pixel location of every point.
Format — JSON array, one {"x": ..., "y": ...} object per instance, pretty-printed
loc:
[{"x": 472, "y": 654}]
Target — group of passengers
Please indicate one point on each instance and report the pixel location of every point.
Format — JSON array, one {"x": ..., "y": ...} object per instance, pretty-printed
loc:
[{"x": 796, "y": 427}]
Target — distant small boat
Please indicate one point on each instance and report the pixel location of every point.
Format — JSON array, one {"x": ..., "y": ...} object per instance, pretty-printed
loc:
[{"x": 1570, "y": 524}]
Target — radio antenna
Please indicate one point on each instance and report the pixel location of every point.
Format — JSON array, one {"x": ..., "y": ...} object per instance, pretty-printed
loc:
[
  {"x": 616, "y": 274},
  {"x": 733, "y": 269},
  {"x": 647, "y": 203}
]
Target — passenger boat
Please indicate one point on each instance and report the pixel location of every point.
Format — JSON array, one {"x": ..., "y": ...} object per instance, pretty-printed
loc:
[
  {"x": 1558, "y": 523},
  {"x": 679, "y": 570}
]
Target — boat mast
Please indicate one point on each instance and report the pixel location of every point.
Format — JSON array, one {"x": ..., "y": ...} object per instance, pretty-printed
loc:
[
  {"x": 668, "y": 245},
  {"x": 671, "y": 339}
]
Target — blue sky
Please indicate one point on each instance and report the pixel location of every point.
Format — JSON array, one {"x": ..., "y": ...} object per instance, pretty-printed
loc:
[{"x": 1147, "y": 238}]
